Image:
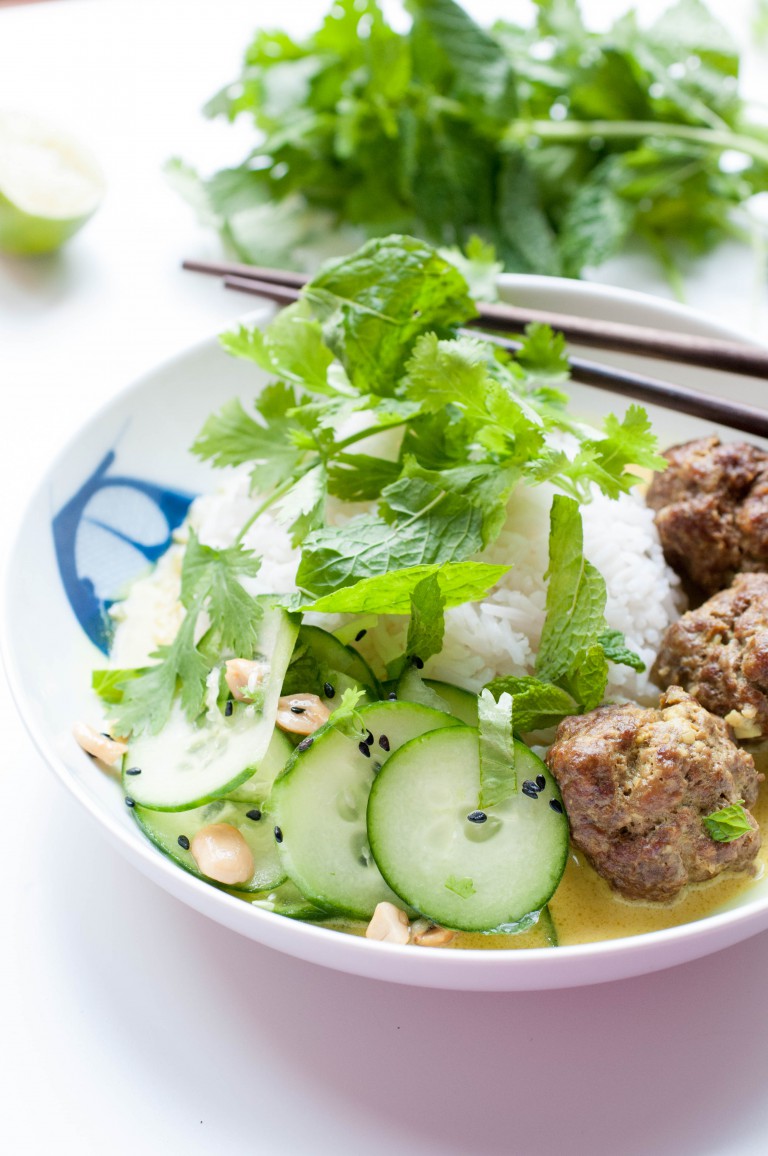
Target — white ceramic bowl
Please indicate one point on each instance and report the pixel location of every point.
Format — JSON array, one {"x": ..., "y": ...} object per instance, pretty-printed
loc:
[{"x": 102, "y": 517}]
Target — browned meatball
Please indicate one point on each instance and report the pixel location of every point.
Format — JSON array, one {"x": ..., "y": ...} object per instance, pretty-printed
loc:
[
  {"x": 712, "y": 511},
  {"x": 637, "y": 782},
  {"x": 719, "y": 654}
]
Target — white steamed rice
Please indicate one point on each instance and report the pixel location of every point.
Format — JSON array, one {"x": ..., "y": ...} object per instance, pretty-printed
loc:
[{"x": 482, "y": 640}]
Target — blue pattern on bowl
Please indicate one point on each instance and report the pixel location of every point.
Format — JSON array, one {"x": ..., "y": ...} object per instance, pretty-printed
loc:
[{"x": 110, "y": 531}]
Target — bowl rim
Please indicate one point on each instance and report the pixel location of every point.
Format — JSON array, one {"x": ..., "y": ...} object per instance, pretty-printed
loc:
[{"x": 750, "y": 917}]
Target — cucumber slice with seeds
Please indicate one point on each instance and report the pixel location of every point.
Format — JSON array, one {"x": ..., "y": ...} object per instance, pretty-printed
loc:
[
  {"x": 256, "y": 789},
  {"x": 319, "y": 655},
  {"x": 190, "y": 763},
  {"x": 319, "y": 805},
  {"x": 469, "y": 875},
  {"x": 165, "y": 828}
]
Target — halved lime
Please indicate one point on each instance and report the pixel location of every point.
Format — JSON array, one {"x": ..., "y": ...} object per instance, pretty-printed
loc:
[{"x": 49, "y": 185}]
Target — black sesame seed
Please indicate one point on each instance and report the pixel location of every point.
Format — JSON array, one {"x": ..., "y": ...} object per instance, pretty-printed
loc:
[
  {"x": 556, "y": 805},
  {"x": 297, "y": 709},
  {"x": 229, "y": 707},
  {"x": 369, "y": 738},
  {"x": 329, "y": 690},
  {"x": 392, "y": 697},
  {"x": 529, "y": 789},
  {"x": 541, "y": 782},
  {"x": 183, "y": 842},
  {"x": 106, "y": 735},
  {"x": 384, "y": 742},
  {"x": 133, "y": 771},
  {"x": 255, "y": 814},
  {"x": 477, "y": 816},
  {"x": 306, "y": 743},
  {"x": 360, "y": 635},
  {"x": 417, "y": 662},
  {"x": 278, "y": 835},
  {"x": 129, "y": 802},
  {"x": 364, "y": 749}
]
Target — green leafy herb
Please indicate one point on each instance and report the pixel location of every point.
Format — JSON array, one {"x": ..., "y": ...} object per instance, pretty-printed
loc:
[
  {"x": 728, "y": 824},
  {"x": 551, "y": 143},
  {"x": 464, "y": 888},
  {"x": 345, "y": 717},
  {"x": 108, "y": 684},
  {"x": 498, "y": 778},
  {"x": 537, "y": 705},
  {"x": 211, "y": 583},
  {"x": 427, "y": 625},
  {"x": 391, "y": 593}
]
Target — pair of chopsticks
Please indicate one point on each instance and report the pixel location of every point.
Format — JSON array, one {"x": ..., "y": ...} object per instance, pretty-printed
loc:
[{"x": 283, "y": 287}]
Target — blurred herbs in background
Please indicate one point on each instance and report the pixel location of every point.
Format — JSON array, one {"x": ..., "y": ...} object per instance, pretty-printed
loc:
[{"x": 555, "y": 145}]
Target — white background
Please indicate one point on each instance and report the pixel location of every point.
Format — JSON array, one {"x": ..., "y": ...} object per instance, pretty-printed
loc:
[{"x": 130, "y": 1024}]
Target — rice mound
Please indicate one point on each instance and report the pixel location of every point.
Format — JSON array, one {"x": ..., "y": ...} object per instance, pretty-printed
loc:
[{"x": 494, "y": 637}]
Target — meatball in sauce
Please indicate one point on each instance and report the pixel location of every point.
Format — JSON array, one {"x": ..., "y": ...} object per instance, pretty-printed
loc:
[
  {"x": 712, "y": 511},
  {"x": 719, "y": 654},
  {"x": 637, "y": 783}
]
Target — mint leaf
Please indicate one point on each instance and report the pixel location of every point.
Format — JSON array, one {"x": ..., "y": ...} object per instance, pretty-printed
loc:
[
  {"x": 588, "y": 676},
  {"x": 537, "y": 705},
  {"x": 359, "y": 477},
  {"x": 427, "y": 625},
  {"x": 464, "y": 888},
  {"x": 575, "y": 596},
  {"x": 616, "y": 650},
  {"x": 728, "y": 824},
  {"x": 498, "y": 779},
  {"x": 373, "y": 305},
  {"x": 391, "y": 593}
]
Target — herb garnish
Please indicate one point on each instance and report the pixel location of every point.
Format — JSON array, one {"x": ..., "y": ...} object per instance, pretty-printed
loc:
[
  {"x": 553, "y": 143},
  {"x": 728, "y": 824}
]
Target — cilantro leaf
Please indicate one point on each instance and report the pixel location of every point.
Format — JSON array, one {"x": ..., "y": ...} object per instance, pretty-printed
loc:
[
  {"x": 232, "y": 438},
  {"x": 147, "y": 699},
  {"x": 291, "y": 348},
  {"x": 391, "y": 593},
  {"x": 464, "y": 888},
  {"x": 616, "y": 650},
  {"x": 498, "y": 779},
  {"x": 359, "y": 477},
  {"x": 728, "y": 824},
  {"x": 108, "y": 684},
  {"x": 345, "y": 716},
  {"x": 211, "y": 579}
]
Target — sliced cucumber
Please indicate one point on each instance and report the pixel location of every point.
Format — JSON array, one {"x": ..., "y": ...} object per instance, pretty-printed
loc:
[
  {"x": 473, "y": 876},
  {"x": 462, "y": 704},
  {"x": 190, "y": 763},
  {"x": 319, "y": 658},
  {"x": 257, "y": 788},
  {"x": 165, "y": 828},
  {"x": 319, "y": 806}
]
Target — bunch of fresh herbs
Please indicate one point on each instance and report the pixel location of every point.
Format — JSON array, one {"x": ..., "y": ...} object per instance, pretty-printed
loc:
[{"x": 552, "y": 144}]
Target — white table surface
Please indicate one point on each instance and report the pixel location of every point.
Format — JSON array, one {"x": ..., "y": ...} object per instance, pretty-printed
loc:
[{"x": 130, "y": 1024}]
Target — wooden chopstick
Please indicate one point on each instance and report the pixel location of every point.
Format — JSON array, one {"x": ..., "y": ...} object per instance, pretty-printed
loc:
[
  {"x": 746, "y": 418},
  {"x": 706, "y": 352}
]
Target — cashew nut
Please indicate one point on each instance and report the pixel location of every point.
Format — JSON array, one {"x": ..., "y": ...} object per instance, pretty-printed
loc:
[
  {"x": 101, "y": 746},
  {"x": 222, "y": 853},
  {"x": 301, "y": 714},
  {"x": 389, "y": 924},
  {"x": 244, "y": 676}
]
